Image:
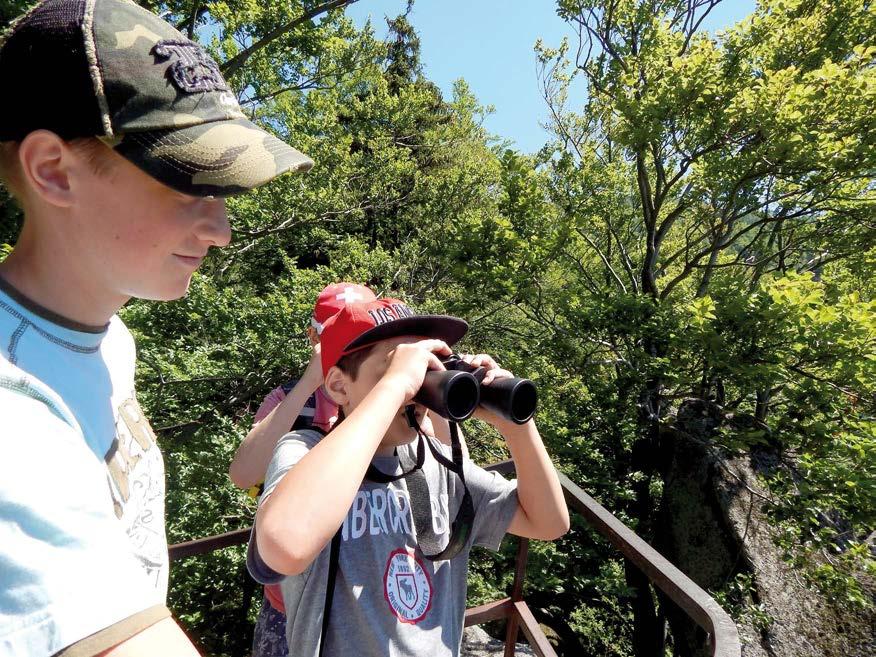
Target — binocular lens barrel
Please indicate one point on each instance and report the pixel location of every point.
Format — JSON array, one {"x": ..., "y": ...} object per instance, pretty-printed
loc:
[
  {"x": 455, "y": 393},
  {"x": 515, "y": 399}
]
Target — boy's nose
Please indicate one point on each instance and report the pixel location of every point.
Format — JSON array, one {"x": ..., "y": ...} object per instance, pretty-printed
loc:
[{"x": 214, "y": 227}]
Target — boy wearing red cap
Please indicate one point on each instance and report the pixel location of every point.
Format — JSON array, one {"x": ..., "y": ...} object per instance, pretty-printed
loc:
[
  {"x": 284, "y": 410},
  {"x": 296, "y": 404},
  {"x": 375, "y": 589}
]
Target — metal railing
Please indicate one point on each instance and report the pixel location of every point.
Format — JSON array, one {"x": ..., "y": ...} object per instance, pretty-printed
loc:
[{"x": 677, "y": 586}]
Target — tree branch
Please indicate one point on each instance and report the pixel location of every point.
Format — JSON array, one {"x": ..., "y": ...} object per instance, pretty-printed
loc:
[
  {"x": 604, "y": 259},
  {"x": 193, "y": 18},
  {"x": 234, "y": 64},
  {"x": 692, "y": 24}
]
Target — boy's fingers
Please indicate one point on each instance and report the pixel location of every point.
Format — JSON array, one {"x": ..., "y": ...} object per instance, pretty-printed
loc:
[
  {"x": 497, "y": 373},
  {"x": 436, "y": 347},
  {"x": 481, "y": 360},
  {"x": 431, "y": 348},
  {"x": 435, "y": 363}
]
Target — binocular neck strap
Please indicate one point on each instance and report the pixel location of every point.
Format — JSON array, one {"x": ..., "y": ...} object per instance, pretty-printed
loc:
[
  {"x": 421, "y": 506},
  {"x": 373, "y": 474},
  {"x": 421, "y": 509}
]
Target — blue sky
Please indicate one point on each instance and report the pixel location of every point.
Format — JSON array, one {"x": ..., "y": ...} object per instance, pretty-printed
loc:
[{"x": 489, "y": 43}]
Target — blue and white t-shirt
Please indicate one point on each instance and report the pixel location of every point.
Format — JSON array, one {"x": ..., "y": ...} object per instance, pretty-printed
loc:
[{"x": 82, "y": 542}]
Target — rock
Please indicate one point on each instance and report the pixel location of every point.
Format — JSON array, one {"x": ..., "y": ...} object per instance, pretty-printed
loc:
[
  {"x": 477, "y": 643},
  {"x": 799, "y": 621},
  {"x": 715, "y": 529}
]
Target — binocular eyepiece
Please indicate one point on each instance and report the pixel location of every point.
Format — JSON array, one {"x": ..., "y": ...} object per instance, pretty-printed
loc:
[{"x": 455, "y": 393}]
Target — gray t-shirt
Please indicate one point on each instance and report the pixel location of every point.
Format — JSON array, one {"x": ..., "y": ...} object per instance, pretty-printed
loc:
[{"x": 389, "y": 600}]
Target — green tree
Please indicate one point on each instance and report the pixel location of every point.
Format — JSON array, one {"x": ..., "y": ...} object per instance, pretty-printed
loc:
[
  {"x": 10, "y": 214},
  {"x": 397, "y": 165},
  {"x": 700, "y": 171},
  {"x": 698, "y": 235}
]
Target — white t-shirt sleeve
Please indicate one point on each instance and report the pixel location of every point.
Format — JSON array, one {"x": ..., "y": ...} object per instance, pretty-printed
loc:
[{"x": 66, "y": 565}]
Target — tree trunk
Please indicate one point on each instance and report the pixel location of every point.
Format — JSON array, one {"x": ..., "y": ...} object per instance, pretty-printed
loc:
[{"x": 648, "y": 632}]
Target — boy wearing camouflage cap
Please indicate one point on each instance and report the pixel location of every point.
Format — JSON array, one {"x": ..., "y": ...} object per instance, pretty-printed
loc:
[{"x": 120, "y": 143}]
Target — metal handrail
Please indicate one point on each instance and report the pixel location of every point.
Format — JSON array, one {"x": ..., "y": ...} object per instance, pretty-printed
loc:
[{"x": 677, "y": 586}]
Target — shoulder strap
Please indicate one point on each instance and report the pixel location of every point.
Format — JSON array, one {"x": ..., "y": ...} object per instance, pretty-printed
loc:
[
  {"x": 287, "y": 387},
  {"x": 334, "y": 554}
]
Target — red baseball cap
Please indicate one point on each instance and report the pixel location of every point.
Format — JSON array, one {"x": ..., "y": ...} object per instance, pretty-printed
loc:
[
  {"x": 334, "y": 297},
  {"x": 358, "y": 325}
]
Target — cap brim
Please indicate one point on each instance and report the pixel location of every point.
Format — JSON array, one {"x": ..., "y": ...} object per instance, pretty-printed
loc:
[
  {"x": 221, "y": 158},
  {"x": 441, "y": 327}
]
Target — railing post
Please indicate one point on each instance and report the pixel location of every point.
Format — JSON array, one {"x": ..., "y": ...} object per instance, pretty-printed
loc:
[{"x": 517, "y": 595}]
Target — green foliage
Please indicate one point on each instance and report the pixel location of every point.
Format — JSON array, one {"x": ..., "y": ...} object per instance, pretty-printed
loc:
[
  {"x": 714, "y": 239},
  {"x": 737, "y": 598},
  {"x": 10, "y": 9},
  {"x": 701, "y": 226},
  {"x": 816, "y": 359}
]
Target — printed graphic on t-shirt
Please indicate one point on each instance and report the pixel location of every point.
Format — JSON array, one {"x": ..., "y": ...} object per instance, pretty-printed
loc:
[
  {"x": 387, "y": 511},
  {"x": 407, "y": 587},
  {"x": 137, "y": 488}
]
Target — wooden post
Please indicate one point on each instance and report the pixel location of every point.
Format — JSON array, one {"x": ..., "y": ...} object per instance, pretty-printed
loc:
[{"x": 517, "y": 595}]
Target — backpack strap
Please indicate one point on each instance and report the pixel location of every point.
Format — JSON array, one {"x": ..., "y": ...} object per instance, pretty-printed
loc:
[{"x": 334, "y": 554}]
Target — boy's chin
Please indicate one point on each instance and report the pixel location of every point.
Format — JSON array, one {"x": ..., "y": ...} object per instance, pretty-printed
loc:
[
  {"x": 420, "y": 412},
  {"x": 399, "y": 432}
]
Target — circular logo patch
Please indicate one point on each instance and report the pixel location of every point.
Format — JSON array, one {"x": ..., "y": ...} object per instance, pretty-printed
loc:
[{"x": 407, "y": 587}]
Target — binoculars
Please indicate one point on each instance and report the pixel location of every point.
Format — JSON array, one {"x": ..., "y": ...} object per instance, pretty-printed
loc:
[{"x": 455, "y": 393}]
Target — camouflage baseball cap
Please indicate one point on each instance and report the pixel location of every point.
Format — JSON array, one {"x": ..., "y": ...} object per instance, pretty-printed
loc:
[{"x": 112, "y": 70}]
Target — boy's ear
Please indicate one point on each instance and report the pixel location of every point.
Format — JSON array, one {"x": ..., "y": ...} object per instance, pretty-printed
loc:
[
  {"x": 45, "y": 167},
  {"x": 337, "y": 385}
]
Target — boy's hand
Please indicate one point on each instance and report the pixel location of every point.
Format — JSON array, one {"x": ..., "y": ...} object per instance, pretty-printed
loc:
[
  {"x": 494, "y": 371},
  {"x": 409, "y": 362},
  {"x": 313, "y": 373}
]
